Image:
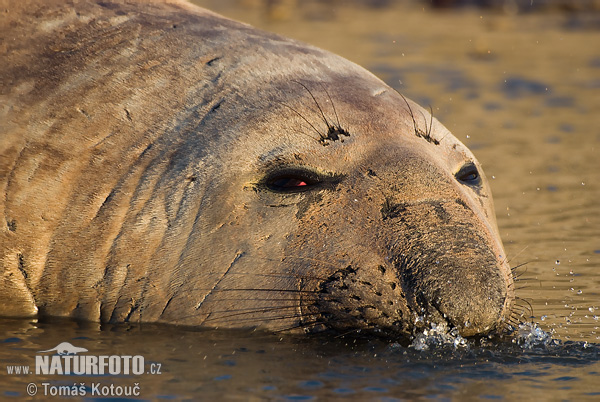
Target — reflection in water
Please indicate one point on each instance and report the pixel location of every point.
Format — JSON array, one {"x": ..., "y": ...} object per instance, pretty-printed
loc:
[
  {"x": 210, "y": 365},
  {"x": 522, "y": 92}
]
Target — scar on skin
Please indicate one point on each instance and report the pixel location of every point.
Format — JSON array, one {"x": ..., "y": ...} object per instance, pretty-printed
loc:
[{"x": 379, "y": 91}]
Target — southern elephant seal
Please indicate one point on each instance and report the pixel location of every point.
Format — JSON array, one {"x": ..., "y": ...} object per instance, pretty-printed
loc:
[{"x": 161, "y": 163}]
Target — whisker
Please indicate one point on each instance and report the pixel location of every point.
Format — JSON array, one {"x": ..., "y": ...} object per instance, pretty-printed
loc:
[
  {"x": 519, "y": 266},
  {"x": 281, "y": 275},
  {"x": 412, "y": 115},
  {"x": 332, "y": 105},
  {"x": 430, "y": 122},
  {"x": 241, "y": 312},
  {"x": 426, "y": 135},
  {"x": 514, "y": 323},
  {"x": 300, "y": 326},
  {"x": 424, "y": 119},
  {"x": 528, "y": 306},
  {"x": 303, "y": 133},
  {"x": 515, "y": 256},
  {"x": 249, "y": 311},
  {"x": 316, "y": 103},
  {"x": 258, "y": 290},
  {"x": 354, "y": 330},
  {"x": 306, "y": 120},
  {"x": 313, "y": 323},
  {"x": 238, "y": 320}
]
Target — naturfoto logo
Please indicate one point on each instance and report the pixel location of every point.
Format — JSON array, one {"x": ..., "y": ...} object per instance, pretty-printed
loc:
[
  {"x": 66, "y": 361},
  {"x": 65, "y": 348}
]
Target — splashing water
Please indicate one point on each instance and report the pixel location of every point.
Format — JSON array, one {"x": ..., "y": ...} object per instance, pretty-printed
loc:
[
  {"x": 531, "y": 336},
  {"x": 439, "y": 336},
  {"x": 528, "y": 336}
]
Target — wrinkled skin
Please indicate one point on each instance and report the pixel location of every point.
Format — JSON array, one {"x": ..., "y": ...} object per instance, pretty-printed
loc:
[{"x": 160, "y": 163}]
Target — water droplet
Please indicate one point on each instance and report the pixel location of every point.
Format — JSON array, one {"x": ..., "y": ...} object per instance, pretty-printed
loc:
[
  {"x": 579, "y": 291},
  {"x": 591, "y": 309},
  {"x": 557, "y": 262},
  {"x": 543, "y": 318}
]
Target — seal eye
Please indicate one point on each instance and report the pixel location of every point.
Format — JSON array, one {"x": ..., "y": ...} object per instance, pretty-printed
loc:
[
  {"x": 469, "y": 175},
  {"x": 288, "y": 183},
  {"x": 291, "y": 182}
]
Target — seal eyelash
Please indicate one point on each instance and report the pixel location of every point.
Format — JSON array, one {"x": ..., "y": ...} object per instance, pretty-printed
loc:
[{"x": 468, "y": 174}]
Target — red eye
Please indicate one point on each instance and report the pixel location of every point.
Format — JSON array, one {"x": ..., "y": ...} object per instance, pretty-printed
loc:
[
  {"x": 289, "y": 182},
  {"x": 292, "y": 182}
]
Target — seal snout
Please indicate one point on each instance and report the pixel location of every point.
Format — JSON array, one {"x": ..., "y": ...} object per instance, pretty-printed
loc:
[
  {"x": 472, "y": 313},
  {"x": 449, "y": 268},
  {"x": 471, "y": 298}
]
